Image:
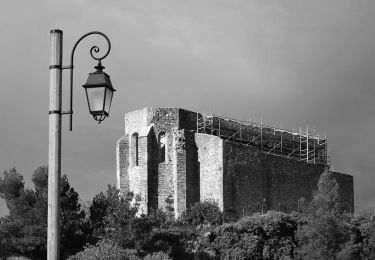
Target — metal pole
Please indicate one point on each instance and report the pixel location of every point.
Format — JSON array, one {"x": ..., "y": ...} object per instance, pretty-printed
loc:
[
  {"x": 314, "y": 140},
  {"x": 261, "y": 140},
  {"x": 307, "y": 144},
  {"x": 281, "y": 141},
  {"x": 54, "y": 152},
  {"x": 300, "y": 144},
  {"x": 326, "y": 148}
]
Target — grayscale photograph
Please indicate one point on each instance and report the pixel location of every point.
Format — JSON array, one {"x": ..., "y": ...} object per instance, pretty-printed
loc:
[{"x": 198, "y": 130}]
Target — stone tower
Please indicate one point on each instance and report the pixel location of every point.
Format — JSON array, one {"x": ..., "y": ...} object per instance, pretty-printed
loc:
[{"x": 171, "y": 158}]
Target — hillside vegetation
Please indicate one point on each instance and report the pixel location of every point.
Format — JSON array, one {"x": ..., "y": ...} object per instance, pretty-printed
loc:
[{"x": 110, "y": 227}]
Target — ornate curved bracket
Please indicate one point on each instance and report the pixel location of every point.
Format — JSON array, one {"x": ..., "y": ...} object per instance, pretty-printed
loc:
[{"x": 94, "y": 49}]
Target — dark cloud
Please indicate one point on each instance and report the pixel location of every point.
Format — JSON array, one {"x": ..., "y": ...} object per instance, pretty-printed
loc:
[{"x": 293, "y": 63}]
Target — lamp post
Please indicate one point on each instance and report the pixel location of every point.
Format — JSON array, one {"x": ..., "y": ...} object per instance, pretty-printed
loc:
[{"x": 99, "y": 93}]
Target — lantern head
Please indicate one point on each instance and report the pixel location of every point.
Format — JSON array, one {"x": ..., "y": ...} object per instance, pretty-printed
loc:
[{"x": 99, "y": 93}]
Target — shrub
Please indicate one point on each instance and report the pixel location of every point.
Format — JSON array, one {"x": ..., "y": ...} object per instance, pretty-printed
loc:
[
  {"x": 157, "y": 256},
  {"x": 203, "y": 213},
  {"x": 269, "y": 236},
  {"x": 171, "y": 240},
  {"x": 105, "y": 250}
]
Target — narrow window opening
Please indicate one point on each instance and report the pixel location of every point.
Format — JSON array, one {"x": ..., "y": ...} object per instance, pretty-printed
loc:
[
  {"x": 134, "y": 150},
  {"x": 162, "y": 140}
]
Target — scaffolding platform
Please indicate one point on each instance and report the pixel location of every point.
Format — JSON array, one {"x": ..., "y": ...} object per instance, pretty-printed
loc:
[{"x": 305, "y": 145}]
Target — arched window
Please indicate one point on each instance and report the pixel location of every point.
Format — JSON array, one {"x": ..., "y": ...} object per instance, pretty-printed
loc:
[
  {"x": 162, "y": 141},
  {"x": 134, "y": 150}
]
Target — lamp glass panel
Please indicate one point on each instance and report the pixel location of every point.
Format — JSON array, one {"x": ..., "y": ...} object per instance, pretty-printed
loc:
[
  {"x": 108, "y": 100},
  {"x": 95, "y": 97}
]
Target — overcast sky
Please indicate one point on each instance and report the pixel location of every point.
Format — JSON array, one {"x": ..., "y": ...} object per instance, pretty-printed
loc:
[{"x": 292, "y": 63}]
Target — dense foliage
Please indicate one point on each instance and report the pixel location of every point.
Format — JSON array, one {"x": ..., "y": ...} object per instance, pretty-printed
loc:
[
  {"x": 105, "y": 250},
  {"x": 24, "y": 230},
  {"x": 114, "y": 229},
  {"x": 202, "y": 213}
]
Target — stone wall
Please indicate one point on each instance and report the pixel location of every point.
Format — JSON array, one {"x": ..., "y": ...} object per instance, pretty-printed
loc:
[
  {"x": 178, "y": 167},
  {"x": 244, "y": 181},
  {"x": 289, "y": 181},
  {"x": 136, "y": 120},
  {"x": 253, "y": 180},
  {"x": 139, "y": 175},
  {"x": 165, "y": 120},
  {"x": 152, "y": 180},
  {"x": 210, "y": 159},
  {"x": 122, "y": 162},
  {"x": 152, "y": 169},
  {"x": 179, "y": 171},
  {"x": 187, "y": 120},
  {"x": 192, "y": 170},
  {"x": 346, "y": 190}
]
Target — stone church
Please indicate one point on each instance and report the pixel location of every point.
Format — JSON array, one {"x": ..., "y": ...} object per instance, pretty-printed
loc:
[{"x": 175, "y": 157}]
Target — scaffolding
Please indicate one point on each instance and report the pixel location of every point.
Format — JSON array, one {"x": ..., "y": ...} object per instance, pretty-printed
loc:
[{"x": 305, "y": 145}]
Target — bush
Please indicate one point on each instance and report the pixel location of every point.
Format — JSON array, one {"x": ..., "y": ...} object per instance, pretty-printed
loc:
[
  {"x": 172, "y": 241},
  {"x": 270, "y": 236},
  {"x": 143, "y": 227},
  {"x": 203, "y": 213},
  {"x": 105, "y": 250},
  {"x": 157, "y": 256}
]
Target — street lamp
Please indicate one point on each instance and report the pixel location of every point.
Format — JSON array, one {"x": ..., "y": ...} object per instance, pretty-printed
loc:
[{"x": 99, "y": 93}]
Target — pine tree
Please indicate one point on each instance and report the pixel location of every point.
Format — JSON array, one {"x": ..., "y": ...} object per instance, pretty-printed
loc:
[{"x": 24, "y": 230}]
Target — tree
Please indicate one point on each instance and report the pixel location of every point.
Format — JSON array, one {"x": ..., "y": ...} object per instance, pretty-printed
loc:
[
  {"x": 327, "y": 199},
  {"x": 325, "y": 232},
  {"x": 11, "y": 185},
  {"x": 74, "y": 229},
  {"x": 24, "y": 230},
  {"x": 361, "y": 244},
  {"x": 112, "y": 216},
  {"x": 98, "y": 211}
]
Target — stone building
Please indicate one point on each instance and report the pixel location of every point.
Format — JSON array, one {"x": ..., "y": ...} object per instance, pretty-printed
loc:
[{"x": 171, "y": 157}]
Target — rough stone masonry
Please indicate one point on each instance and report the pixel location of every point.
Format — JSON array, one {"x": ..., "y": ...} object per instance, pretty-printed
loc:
[{"x": 171, "y": 158}]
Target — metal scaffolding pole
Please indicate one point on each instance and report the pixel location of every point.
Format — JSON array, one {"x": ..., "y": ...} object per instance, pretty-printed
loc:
[
  {"x": 300, "y": 144},
  {"x": 307, "y": 144},
  {"x": 281, "y": 141},
  {"x": 261, "y": 133}
]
